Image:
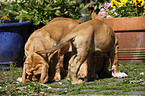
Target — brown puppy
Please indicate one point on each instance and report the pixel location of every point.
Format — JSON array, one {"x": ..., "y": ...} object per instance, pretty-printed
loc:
[
  {"x": 101, "y": 64},
  {"x": 91, "y": 37},
  {"x": 34, "y": 63},
  {"x": 42, "y": 39},
  {"x": 103, "y": 61}
]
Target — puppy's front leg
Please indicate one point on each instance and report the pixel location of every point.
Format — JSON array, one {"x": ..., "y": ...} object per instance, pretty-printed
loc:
[
  {"x": 44, "y": 73},
  {"x": 24, "y": 74}
]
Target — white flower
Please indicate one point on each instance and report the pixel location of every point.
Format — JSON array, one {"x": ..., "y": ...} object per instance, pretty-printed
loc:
[
  {"x": 107, "y": 5},
  {"x": 66, "y": 12},
  {"x": 49, "y": 88},
  {"x": 116, "y": 14},
  {"x": 2, "y": 0},
  {"x": 142, "y": 73},
  {"x": 113, "y": 10},
  {"x": 108, "y": 16},
  {"x": 102, "y": 10},
  {"x": 17, "y": 82},
  {"x": 41, "y": 92},
  {"x": 18, "y": 1},
  {"x": 101, "y": 14}
]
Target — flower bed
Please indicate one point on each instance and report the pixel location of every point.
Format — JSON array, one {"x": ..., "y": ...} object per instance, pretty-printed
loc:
[{"x": 122, "y": 8}]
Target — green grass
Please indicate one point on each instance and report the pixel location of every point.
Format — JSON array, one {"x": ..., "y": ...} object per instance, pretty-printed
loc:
[{"x": 107, "y": 86}]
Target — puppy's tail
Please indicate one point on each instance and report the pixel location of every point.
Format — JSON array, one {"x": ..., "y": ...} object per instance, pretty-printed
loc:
[
  {"x": 96, "y": 16},
  {"x": 64, "y": 41}
]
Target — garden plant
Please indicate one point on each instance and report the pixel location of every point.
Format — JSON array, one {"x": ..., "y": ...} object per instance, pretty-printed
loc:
[
  {"x": 40, "y": 12},
  {"x": 119, "y": 8}
]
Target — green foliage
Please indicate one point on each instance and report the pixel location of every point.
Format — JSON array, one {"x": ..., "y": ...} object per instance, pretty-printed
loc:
[{"x": 40, "y": 10}]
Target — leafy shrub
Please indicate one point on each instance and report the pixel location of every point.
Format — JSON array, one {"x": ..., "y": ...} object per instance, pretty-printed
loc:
[{"x": 40, "y": 11}]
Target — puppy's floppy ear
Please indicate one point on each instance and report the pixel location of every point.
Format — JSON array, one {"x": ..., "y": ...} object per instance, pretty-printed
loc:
[
  {"x": 24, "y": 70},
  {"x": 40, "y": 61},
  {"x": 28, "y": 59},
  {"x": 25, "y": 67}
]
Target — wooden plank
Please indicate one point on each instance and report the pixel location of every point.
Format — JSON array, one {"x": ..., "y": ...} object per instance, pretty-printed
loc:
[{"x": 126, "y": 23}]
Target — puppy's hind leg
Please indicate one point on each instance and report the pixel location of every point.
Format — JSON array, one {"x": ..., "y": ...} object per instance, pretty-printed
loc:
[
  {"x": 91, "y": 68},
  {"x": 57, "y": 76},
  {"x": 114, "y": 63},
  {"x": 75, "y": 63},
  {"x": 59, "y": 66},
  {"x": 83, "y": 70}
]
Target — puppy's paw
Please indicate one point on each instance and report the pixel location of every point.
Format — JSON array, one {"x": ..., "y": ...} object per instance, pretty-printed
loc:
[
  {"x": 83, "y": 71},
  {"x": 81, "y": 75},
  {"x": 77, "y": 82},
  {"x": 92, "y": 77},
  {"x": 57, "y": 77},
  {"x": 67, "y": 78},
  {"x": 120, "y": 74}
]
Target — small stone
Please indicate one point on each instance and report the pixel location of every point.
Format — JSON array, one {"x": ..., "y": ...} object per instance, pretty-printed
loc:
[
  {"x": 110, "y": 91},
  {"x": 139, "y": 87},
  {"x": 88, "y": 90},
  {"x": 60, "y": 83},
  {"x": 136, "y": 92},
  {"x": 19, "y": 79}
]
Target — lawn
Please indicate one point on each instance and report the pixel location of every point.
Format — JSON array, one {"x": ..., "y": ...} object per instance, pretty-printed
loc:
[{"x": 134, "y": 84}]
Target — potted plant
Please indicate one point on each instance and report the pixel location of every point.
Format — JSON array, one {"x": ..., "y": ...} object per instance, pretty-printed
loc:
[
  {"x": 13, "y": 34},
  {"x": 40, "y": 12},
  {"x": 22, "y": 12},
  {"x": 126, "y": 17}
]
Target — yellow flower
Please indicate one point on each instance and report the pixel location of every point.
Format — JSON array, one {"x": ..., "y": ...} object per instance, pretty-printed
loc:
[
  {"x": 134, "y": 2},
  {"x": 117, "y": 4},
  {"x": 121, "y": 4},
  {"x": 114, "y": 5},
  {"x": 139, "y": 3},
  {"x": 123, "y": 1}
]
